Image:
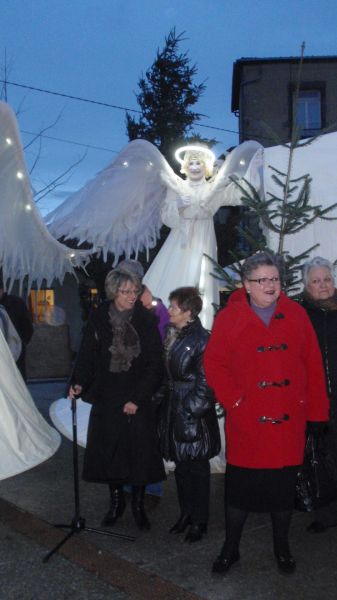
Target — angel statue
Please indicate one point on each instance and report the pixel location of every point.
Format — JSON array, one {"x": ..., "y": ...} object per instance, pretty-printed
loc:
[{"x": 123, "y": 208}]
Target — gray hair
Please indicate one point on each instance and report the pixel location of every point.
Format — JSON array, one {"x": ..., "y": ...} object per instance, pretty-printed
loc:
[
  {"x": 261, "y": 259},
  {"x": 317, "y": 261},
  {"x": 132, "y": 266},
  {"x": 116, "y": 278}
]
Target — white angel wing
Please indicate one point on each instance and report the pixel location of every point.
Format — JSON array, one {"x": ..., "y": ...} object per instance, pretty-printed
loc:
[
  {"x": 119, "y": 210},
  {"x": 243, "y": 162},
  {"x": 26, "y": 246},
  {"x": 319, "y": 160},
  {"x": 240, "y": 163}
]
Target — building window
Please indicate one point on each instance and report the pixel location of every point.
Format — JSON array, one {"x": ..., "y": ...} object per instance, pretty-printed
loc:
[{"x": 309, "y": 112}]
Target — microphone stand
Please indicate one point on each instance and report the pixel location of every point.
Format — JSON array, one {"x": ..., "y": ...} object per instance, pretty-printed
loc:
[{"x": 78, "y": 523}]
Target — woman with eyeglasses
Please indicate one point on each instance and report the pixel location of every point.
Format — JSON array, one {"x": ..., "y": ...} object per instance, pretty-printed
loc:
[
  {"x": 119, "y": 368},
  {"x": 319, "y": 299},
  {"x": 188, "y": 425},
  {"x": 264, "y": 364}
]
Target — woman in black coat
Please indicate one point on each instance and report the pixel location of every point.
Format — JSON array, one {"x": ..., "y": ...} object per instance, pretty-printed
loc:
[
  {"x": 119, "y": 368},
  {"x": 189, "y": 431},
  {"x": 319, "y": 299}
]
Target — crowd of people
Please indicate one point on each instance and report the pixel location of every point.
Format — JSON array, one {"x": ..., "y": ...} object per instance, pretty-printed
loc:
[
  {"x": 153, "y": 376},
  {"x": 268, "y": 361}
]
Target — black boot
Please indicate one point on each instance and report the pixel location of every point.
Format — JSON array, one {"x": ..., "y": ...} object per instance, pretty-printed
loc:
[
  {"x": 235, "y": 520},
  {"x": 117, "y": 506},
  {"x": 137, "y": 506},
  {"x": 225, "y": 560},
  {"x": 281, "y": 523},
  {"x": 195, "y": 532},
  {"x": 181, "y": 524}
]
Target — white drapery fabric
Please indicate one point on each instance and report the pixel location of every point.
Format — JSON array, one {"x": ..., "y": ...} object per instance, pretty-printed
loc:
[
  {"x": 26, "y": 439},
  {"x": 319, "y": 160}
]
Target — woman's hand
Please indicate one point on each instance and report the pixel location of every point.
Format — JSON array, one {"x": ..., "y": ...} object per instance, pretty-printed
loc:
[
  {"x": 74, "y": 391},
  {"x": 130, "y": 408}
]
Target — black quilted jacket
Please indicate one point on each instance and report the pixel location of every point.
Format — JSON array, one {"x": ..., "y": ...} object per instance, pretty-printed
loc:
[{"x": 188, "y": 425}]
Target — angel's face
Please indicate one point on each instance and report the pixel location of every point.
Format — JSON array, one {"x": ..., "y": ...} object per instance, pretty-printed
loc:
[{"x": 195, "y": 169}]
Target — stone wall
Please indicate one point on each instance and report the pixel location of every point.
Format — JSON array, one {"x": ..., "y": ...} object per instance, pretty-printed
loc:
[{"x": 48, "y": 353}]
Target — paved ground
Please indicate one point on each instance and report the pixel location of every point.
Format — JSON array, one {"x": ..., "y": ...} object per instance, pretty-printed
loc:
[{"x": 157, "y": 566}]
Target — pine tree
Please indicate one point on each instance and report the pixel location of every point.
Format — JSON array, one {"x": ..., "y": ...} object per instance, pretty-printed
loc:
[{"x": 167, "y": 95}]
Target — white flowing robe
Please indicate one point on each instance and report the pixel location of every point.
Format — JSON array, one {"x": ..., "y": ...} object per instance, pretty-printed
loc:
[
  {"x": 181, "y": 261},
  {"x": 26, "y": 439}
]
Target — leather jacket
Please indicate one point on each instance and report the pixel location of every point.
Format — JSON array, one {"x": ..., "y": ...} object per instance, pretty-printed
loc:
[{"x": 188, "y": 425}]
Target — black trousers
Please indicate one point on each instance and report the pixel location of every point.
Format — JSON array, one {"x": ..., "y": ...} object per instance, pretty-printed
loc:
[{"x": 193, "y": 487}]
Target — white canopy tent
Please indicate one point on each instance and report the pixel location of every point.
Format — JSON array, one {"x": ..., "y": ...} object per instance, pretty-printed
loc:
[{"x": 319, "y": 160}]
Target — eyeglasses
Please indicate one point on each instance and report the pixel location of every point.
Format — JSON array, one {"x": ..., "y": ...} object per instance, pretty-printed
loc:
[
  {"x": 129, "y": 292},
  {"x": 265, "y": 280}
]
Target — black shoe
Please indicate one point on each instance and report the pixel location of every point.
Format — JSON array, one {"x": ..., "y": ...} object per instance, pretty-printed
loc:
[
  {"x": 137, "y": 506},
  {"x": 223, "y": 563},
  {"x": 183, "y": 522},
  {"x": 116, "y": 510},
  {"x": 195, "y": 532},
  {"x": 316, "y": 527},
  {"x": 141, "y": 519},
  {"x": 285, "y": 563},
  {"x": 151, "y": 501}
]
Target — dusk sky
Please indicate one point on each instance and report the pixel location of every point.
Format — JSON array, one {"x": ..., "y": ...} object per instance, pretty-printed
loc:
[{"x": 98, "y": 49}]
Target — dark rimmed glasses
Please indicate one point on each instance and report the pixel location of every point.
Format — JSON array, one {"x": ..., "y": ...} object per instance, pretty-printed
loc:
[{"x": 265, "y": 280}]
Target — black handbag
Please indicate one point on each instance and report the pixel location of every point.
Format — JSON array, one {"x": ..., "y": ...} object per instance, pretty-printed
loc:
[{"x": 316, "y": 484}]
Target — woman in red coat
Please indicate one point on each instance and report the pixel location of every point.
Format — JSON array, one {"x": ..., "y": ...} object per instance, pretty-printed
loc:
[{"x": 264, "y": 364}]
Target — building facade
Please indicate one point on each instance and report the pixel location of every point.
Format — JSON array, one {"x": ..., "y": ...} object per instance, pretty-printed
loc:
[{"x": 265, "y": 102}]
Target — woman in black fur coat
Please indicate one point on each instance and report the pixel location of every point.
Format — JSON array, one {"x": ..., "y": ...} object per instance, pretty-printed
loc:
[
  {"x": 119, "y": 368},
  {"x": 319, "y": 298}
]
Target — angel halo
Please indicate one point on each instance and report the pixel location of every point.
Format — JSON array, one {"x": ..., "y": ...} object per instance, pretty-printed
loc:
[{"x": 194, "y": 152}]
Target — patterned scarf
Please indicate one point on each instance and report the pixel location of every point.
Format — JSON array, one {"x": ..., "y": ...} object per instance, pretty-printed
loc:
[{"x": 125, "y": 340}]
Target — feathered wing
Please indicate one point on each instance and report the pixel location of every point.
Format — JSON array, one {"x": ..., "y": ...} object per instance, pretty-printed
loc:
[
  {"x": 244, "y": 162},
  {"x": 26, "y": 246},
  {"x": 319, "y": 161},
  {"x": 119, "y": 210}
]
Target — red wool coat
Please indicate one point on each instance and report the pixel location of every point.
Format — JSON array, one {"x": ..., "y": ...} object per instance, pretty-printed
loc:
[{"x": 260, "y": 374}]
